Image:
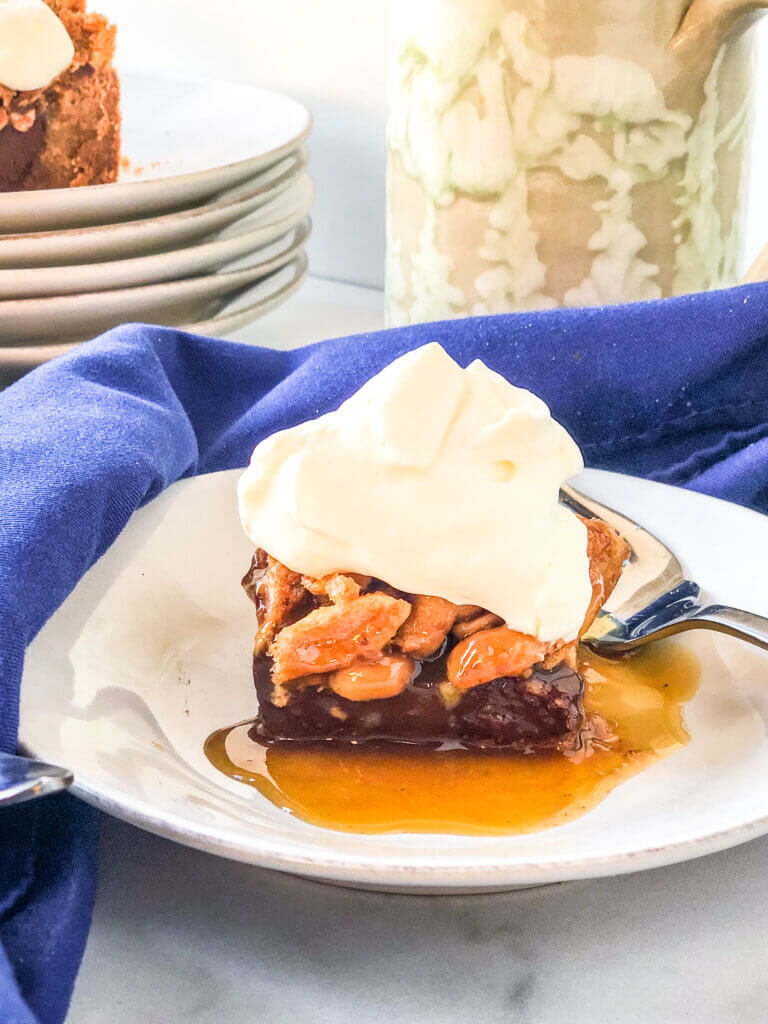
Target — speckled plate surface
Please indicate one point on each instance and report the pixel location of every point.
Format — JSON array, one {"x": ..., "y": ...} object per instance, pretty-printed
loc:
[
  {"x": 146, "y": 659},
  {"x": 185, "y": 140}
]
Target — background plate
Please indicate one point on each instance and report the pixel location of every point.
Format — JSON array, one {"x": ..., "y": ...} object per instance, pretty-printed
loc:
[
  {"x": 185, "y": 140},
  {"x": 154, "y": 234},
  {"x": 144, "y": 660},
  {"x": 232, "y": 313},
  {"x": 254, "y": 303},
  {"x": 64, "y": 319},
  {"x": 245, "y": 237}
]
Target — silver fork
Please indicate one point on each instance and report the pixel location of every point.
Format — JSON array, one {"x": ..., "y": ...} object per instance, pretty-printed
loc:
[
  {"x": 654, "y": 599},
  {"x": 24, "y": 779}
]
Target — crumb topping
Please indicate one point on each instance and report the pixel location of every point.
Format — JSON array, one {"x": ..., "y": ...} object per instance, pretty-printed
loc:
[{"x": 363, "y": 640}]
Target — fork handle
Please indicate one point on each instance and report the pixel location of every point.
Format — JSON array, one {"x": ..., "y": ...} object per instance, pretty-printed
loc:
[
  {"x": 685, "y": 615},
  {"x": 677, "y": 612},
  {"x": 744, "y": 625},
  {"x": 22, "y": 778}
]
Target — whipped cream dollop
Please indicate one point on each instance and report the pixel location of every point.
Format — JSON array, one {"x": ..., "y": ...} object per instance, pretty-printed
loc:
[
  {"x": 438, "y": 480},
  {"x": 34, "y": 45}
]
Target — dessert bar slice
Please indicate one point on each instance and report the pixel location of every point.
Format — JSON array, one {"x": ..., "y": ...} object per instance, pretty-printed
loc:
[
  {"x": 68, "y": 132},
  {"x": 348, "y": 659}
]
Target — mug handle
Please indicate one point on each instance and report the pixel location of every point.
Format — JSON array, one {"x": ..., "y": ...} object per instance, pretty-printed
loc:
[
  {"x": 705, "y": 26},
  {"x": 759, "y": 269}
]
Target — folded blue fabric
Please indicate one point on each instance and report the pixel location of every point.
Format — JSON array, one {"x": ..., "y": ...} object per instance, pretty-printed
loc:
[{"x": 674, "y": 390}]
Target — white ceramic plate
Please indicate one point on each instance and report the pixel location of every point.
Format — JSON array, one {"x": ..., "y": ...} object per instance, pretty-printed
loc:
[
  {"x": 185, "y": 139},
  {"x": 153, "y": 234},
  {"x": 246, "y": 307},
  {"x": 146, "y": 659},
  {"x": 254, "y": 303},
  {"x": 245, "y": 237},
  {"x": 65, "y": 319}
]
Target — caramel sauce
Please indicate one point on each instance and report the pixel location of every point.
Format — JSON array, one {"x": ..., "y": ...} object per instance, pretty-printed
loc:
[{"x": 399, "y": 789}]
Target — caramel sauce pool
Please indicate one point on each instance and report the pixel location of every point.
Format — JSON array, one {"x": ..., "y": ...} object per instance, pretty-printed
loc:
[{"x": 377, "y": 790}]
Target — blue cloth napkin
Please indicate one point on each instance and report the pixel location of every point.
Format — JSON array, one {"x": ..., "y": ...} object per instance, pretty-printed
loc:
[{"x": 674, "y": 390}]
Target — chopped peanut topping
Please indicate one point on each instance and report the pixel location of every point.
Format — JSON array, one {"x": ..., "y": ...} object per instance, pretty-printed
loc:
[
  {"x": 373, "y": 680},
  {"x": 607, "y": 551},
  {"x": 425, "y": 629},
  {"x": 277, "y": 594},
  {"x": 492, "y": 654},
  {"x": 336, "y": 636},
  {"x": 468, "y": 611},
  {"x": 347, "y": 643},
  {"x": 562, "y": 654},
  {"x": 23, "y": 120},
  {"x": 484, "y": 620},
  {"x": 339, "y": 587}
]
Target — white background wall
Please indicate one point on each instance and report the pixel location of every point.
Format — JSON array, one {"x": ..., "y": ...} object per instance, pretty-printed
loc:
[{"x": 332, "y": 55}]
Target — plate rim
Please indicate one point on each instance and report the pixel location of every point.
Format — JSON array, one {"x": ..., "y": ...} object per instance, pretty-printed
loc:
[
  {"x": 208, "y": 286},
  {"x": 218, "y": 204},
  {"x": 418, "y": 873},
  {"x": 224, "y": 322},
  {"x": 215, "y": 253},
  {"x": 31, "y": 357},
  {"x": 414, "y": 872}
]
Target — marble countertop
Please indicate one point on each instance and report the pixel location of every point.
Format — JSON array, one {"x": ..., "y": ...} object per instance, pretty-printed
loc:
[{"x": 181, "y": 936}]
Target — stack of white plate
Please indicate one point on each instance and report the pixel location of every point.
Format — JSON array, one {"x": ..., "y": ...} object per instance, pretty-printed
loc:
[{"x": 205, "y": 229}]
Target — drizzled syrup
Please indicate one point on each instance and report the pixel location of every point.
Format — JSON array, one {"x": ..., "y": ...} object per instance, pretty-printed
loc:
[{"x": 410, "y": 789}]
